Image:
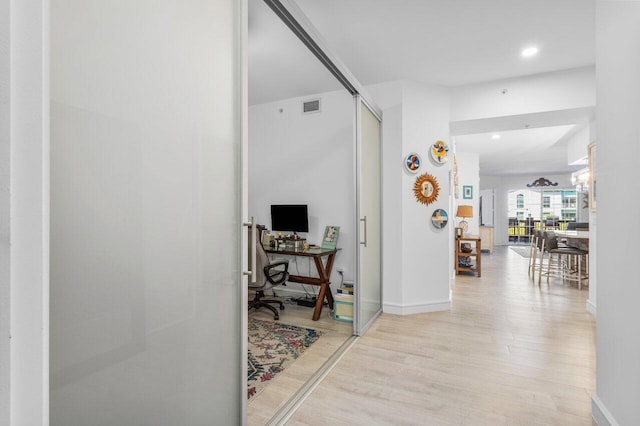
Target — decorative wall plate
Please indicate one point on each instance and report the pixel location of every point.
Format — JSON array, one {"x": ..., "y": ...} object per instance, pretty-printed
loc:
[
  {"x": 439, "y": 218},
  {"x": 426, "y": 189},
  {"x": 439, "y": 152},
  {"x": 412, "y": 162}
]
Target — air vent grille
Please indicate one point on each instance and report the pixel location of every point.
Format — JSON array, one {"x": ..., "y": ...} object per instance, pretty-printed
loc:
[{"x": 311, "y": 106}]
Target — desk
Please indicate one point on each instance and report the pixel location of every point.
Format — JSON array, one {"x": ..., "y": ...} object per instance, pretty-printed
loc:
[{"x": 324, "y": 272}]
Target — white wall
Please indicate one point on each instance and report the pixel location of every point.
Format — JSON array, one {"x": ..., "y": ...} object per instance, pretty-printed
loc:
[
  {"x": 593, "y": 265},
  {"x": 415, "y": 115},
  {"x": 426, "y": 120},
  {"x": 618, "y": 110},
  {"x": 146, "y": 302},
  {"x": 24, "y": 142},
  {"x": 5, "y": 276},
  {"x": 392, "y": 217},
  {"x": 593, "y": 241},
  {"x": 297, "y": 158},
  {"x": 577, "y": 145},
  {"x": 469, "y": 175},
  {"x": 537, "y": 93},
  {"x": 502, "y": 185}
]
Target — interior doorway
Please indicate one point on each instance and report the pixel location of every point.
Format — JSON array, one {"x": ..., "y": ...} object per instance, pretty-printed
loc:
[{"x": 303, "y": 124}]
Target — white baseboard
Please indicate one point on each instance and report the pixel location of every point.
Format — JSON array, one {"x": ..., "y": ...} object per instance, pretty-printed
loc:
[
  {"x": 600, "y": 414},
  {"x": 416, "y": 308},
  {"x": 591, "y": 307}
]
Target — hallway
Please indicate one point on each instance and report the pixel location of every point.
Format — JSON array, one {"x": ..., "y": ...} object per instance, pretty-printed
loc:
[{"x": 508, "y": 352}]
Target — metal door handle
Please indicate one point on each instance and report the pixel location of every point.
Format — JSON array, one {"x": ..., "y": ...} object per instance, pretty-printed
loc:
[
  {"x": 364, "y": 243},
  {"x": 252, "y": 251}
]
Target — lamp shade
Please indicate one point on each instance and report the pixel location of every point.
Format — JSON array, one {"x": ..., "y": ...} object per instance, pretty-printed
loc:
[{"x": 464, "y": 211}]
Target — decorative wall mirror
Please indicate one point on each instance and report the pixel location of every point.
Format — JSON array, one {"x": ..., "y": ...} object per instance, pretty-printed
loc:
[{"x": 426, "y": 189}]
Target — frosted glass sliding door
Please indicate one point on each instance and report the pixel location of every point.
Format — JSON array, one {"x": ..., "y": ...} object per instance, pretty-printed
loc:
[
  {"x": 147, "y": 297},
  {"x": 369, "y": 288}
]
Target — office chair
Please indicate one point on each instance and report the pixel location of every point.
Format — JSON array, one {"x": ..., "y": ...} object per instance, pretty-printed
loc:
[{"x": 268, "y": 275}]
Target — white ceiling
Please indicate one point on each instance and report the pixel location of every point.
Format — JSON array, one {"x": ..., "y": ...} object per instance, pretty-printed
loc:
[
  {"x": 540, "y": 150},
  {"x": 454, "y": 42},
  {"x": 451, "y": 43},
  {"x": 280, "y": 66}
]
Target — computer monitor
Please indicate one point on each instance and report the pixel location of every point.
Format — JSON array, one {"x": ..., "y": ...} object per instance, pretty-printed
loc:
[{"x": 289, "y": 218}]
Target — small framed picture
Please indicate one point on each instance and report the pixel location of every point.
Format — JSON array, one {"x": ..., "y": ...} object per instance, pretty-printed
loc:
[
  {"x": 467, "y": 192},
  {"x": 458, "y": 232},
  {"x": 330, "y": 239}
]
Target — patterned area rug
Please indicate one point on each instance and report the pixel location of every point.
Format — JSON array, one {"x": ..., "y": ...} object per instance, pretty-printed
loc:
[{"x": 272, "y": 348}]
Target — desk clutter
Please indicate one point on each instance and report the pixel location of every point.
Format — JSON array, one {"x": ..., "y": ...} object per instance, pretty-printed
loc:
[
  {"x": 293, "y": 240},
  {"x": 290, "y": 240}
]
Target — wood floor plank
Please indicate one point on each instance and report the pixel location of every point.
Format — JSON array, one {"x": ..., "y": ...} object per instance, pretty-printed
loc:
[{"x": 508, "y": 352}]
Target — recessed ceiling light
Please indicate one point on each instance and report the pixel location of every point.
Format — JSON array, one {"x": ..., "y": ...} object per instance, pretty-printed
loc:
[
  {"x": 529, "y": 52},
  {"x": 496, "y": 136}
]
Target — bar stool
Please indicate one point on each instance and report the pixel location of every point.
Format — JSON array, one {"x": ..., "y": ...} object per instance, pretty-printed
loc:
[
  {"x": 564, "y": 254},
  {"x": 534, "y": 251}
]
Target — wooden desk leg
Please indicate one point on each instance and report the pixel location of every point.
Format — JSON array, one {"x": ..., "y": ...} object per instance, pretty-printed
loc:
[
  {"x": 325, "y": 290},
  {"x": 318, "y": 309},
  {"x": 327, "y": 277}
]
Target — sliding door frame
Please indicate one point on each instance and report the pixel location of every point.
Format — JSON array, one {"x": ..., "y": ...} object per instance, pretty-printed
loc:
[
  {"x": 292, "y": 16},
  {"x": 289, "y": 12},
  {"x": 359, "y": 327},
  {"x": 24, "y": 203}
]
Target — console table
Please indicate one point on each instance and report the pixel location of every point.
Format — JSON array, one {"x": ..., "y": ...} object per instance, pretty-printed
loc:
[
  {"x": 475, "y": 254},
  {"x": 324, "y": 272}
]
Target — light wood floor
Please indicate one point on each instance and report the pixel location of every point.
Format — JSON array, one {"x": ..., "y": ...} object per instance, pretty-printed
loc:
[
  {"x": 508, "y": 352},
  {"x": 264, "y": 405}
]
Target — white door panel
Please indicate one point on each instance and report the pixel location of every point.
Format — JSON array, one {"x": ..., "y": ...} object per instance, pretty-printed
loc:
[
  {"x": 369, "y": 295},
  {"x": 146, "y": 293}
]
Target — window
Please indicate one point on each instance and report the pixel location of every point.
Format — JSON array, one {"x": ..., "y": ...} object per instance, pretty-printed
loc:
[
  {"x": 569, "y": 202},
  {"x": 546, "y": 202},
  {"x": 521, "y": 215},
  {"x": 520, "y": 202}
]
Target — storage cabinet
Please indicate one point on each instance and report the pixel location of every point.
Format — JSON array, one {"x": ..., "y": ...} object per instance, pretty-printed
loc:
[
  {"x": 486, "y": 233},
  {"x": 469, "y": 261}
]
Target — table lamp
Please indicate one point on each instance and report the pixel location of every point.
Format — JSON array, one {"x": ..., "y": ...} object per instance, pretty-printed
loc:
[{"x": 464, "y": 212}]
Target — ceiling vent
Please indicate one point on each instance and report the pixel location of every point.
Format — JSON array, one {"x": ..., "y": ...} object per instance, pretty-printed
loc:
[{"x": 311, "y": 106}]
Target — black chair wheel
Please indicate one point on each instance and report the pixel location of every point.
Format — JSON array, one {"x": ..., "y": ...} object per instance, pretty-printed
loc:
[
  {"x": 276, "y": 317},
  {"x": 282, "y": 306}
]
